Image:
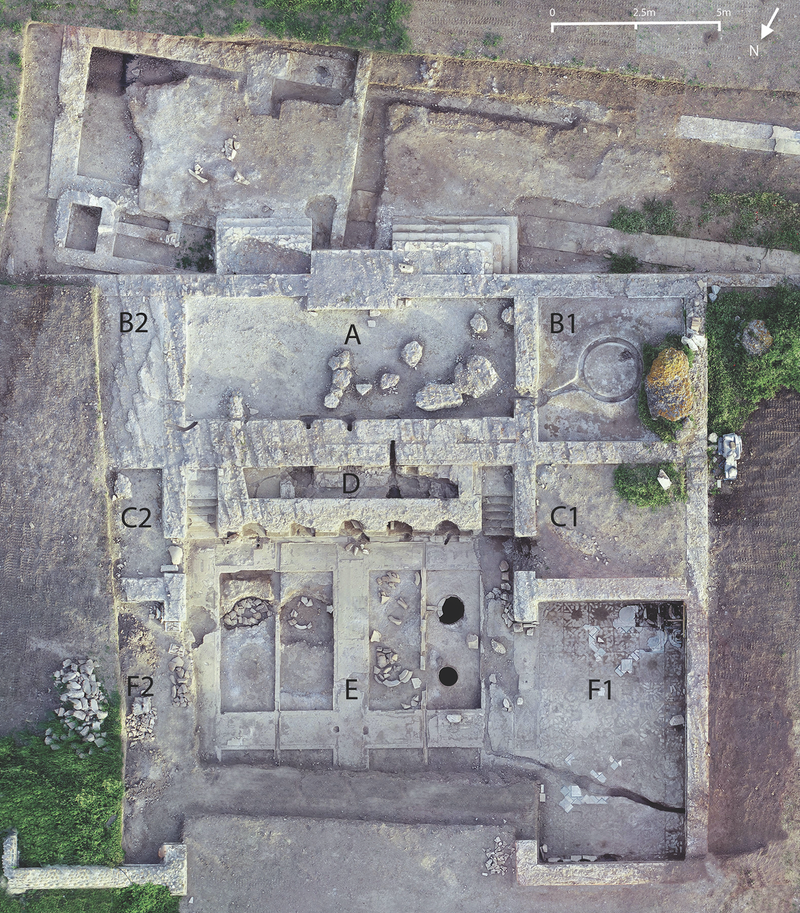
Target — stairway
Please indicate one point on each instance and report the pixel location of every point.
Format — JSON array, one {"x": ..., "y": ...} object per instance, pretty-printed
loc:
[{"x": 498, "y": 516}]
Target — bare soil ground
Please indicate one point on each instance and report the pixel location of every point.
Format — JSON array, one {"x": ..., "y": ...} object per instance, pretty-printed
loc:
[
  {"x": 755, "y": 693},
  {"x": 520, "y": 30},
  {"x": 54, "y": 566}
]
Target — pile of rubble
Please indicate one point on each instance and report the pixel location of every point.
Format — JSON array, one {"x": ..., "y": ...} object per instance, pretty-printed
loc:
[
  {"x": 386, "y": 584},
  {"x": 86, "y": 707},
  {"x": 299, "y": 624},
  {"x": 180, "y": 676},
  {"x": 341, "y": 365},
  {"x": 357, "y": 545},
  {"x": 411, "y": 353},
  {"x": 247, "y": 612},
  {"x": 498, "y": 858},
  {"x": 476, "y": 378},
  {"x": 388, "y": 671},
  {"x": 502, "y": 597},
  {"x": 141, "y": 720}
]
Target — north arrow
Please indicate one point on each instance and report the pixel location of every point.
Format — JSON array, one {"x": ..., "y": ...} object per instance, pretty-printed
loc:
[{"x": 765, "y": 29}]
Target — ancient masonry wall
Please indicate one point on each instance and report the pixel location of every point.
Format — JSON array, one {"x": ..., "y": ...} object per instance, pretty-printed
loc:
[
  {"x": 171, "y": 872},
  {"x": 224, "y": 447}
]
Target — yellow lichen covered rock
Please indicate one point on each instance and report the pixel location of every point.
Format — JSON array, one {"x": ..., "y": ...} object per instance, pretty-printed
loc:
[{"x": 669, "y": 391}]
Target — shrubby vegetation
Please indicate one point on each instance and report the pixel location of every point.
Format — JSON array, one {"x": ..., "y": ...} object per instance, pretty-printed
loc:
[
  {"x": 738, "y": 382},
  {"x": 637, "y": 483}
]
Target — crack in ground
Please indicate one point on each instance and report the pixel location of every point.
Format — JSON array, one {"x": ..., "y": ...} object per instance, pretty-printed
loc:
[{"x": 616, "y": 792}]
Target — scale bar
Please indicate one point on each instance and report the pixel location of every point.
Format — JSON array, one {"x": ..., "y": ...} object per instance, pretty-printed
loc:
[{"x": 637, "y": 23}]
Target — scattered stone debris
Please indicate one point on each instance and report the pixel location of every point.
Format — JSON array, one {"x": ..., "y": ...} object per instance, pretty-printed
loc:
[
  {"x": 476, "y": 378},
  {"x": 498, "y": 858},
  {"x": 438, "y": 396},
  {"x": 668, "y": 388},
  {"x": 180, "y": 677},
  {"x": 498, "y": 647},
  {"x": 478, "y": 324},
  {"x": 230, "y": 148},
  {"x": 363, "y": 389},
  {"x": 247, "y": 612},
  {"x": 472, "y": 641},
  {"x": 664, "y": 480},
  {"x": 430, "y": 71},
  {"x": 357, "y": 544},
  {"x": 389, "y": 381},
  {"x": 756, "y": 338},
  {"x": 234, "y": 406},
  {"x": 387, "y": 583},
  {"x": 123, "y": 488},
  {"x": 239, "y": 178},
  {"x": 85, "y": 709},
  {"x": 341, "y": 364},
  {"x": 141, "y": 720},
  {"x": 507, "y": 316},
  {"x": 730, "y": 448},
  {"x": 412, "y": 353},
  {"x": 197, "y": 173},
  {"x": 343, "y": 359}
]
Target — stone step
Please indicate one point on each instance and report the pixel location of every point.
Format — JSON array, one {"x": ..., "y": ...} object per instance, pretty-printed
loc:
[{"x": 502, "y": 231}]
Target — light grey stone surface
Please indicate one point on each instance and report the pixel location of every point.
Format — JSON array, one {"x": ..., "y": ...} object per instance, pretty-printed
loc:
[{"x": 171, "y": 872}]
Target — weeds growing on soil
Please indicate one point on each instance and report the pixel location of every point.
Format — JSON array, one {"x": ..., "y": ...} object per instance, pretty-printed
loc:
[
  {"x": 764, "y": 218},
  {"x": 738, "y": 382},
  {"x": 623, "y": 263},
  {"x": 359, "y": 23},
  {"x": 136, "y": 899},
  {"x": 638, "y": 483},
  {"x": 655, "y": 217}
]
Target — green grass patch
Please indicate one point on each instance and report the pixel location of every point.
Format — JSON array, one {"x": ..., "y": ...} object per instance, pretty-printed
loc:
[
  {"x": 666, "y": 430},
  {"x": 738, "y": 382},
  {"x": 638, "y": 483},
  {"x": 763, "y": 218},
  {"x": 623, "y": 263},
  {"x": 136, "y": 899},
  {"x": 378, "y": 24},
  {"x": 655, "y": 217},
  {"x": 66, "y": 810}
]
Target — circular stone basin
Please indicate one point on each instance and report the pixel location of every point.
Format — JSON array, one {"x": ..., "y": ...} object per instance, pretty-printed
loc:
[
  {"x": 611, "y": 369},
  {"x": 448, "y": 676}
]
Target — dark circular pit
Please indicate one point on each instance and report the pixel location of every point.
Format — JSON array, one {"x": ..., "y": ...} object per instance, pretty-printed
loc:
[
  {"x": 452, "y": 610},
  {"x": 448, "y": 676}
]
